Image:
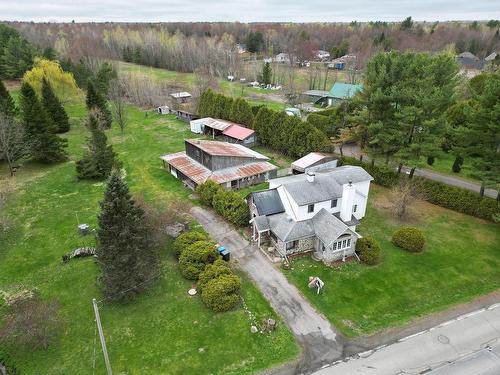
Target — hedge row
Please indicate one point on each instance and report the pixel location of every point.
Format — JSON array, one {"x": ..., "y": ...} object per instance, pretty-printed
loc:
[
  {"x": 452, "y": 197},
  {"x": 226, "y": 203}
]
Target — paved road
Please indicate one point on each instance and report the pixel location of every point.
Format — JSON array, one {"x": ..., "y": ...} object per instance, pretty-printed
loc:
[
  {"x": 320, "y": 343},
  {"x": 354, "y": 151},
  {"x": 453, "y": 347}
]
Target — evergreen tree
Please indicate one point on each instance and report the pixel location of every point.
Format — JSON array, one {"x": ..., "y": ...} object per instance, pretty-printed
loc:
[
  {"x": 16, "y": 53},
  {"x": 43, "y": 143},
  {"x": 103, "y": 78},
  {"x": 99, "y": 160},
  {"x": 266, "y": 73},
  {"x": 7, "y": 106},
  {"x": 128, "y": 261},
  {"x": 262, "y": 125},
  {"x": 54, "y": 108},
  {"x": 95, "y": 101},
  {"x": 241, "y": 112}
]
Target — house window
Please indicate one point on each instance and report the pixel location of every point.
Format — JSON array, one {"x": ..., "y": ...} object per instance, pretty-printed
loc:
[
  {"x": 234, "y": 184},
  {"x": 291, "y": 245},
  {"x": 310, "y": 208},
  {"x": 334, "y": 246},
  {"x": 354, "y": 209},
  {"x": 349, "y": 242},
  {"x": 334, "y": 203}
]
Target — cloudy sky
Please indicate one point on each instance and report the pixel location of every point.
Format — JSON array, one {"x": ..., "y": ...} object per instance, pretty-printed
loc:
[{"x": 247, "y": 10}]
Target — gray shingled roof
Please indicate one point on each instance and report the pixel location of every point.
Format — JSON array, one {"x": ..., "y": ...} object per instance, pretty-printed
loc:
[
  {"x": 327, "y": 184},
  {"x": 268, "y": 202},
  {"x": 323, "y": 225},
  {"x": 262, "y": 223}
]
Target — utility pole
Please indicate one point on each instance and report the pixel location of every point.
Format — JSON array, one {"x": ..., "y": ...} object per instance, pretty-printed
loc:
[{"x": 101, "y": 336}]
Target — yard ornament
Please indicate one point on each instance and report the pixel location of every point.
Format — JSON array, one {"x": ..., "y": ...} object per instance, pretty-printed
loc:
[{"x": 316, "y": 282}]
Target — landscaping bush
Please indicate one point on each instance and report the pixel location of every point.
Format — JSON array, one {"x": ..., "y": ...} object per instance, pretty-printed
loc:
[
  {"x": 213, "y": 271},
  {"x": 222, "y": 293},
  {"x": 187, "y": 238},
  {"x": 207, "y": 190},
  {"x": 410, "y": 239},
  {"x": 233, "y": 207},
  {"x": 368, "y": 250},
  {"x": 195, "y": 257}
]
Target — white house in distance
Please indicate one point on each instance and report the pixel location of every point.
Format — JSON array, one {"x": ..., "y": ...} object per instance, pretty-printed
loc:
[{"x": 313, "y": 212}]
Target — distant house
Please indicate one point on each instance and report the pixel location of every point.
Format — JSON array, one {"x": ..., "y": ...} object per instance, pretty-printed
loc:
[
  {"x": 338, "y": 92},
  {"x": 181, "y": 97},
  {"x": 282, "y": 58},
  {"x": 311, "y": 213},
  {"x": 230, "y": 165},
  {"x": 225, "y": 130},
  {"x": 342, "y": 63},
  {"x": 470, "y": 65},
  {"x": 322, "y": 55},
  {"x": 311, "y": 160}
]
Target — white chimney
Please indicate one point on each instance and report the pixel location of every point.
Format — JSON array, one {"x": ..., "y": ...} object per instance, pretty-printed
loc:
[
  {"x": 310, "y": 176},
  {"x": 347, "y": 202}
]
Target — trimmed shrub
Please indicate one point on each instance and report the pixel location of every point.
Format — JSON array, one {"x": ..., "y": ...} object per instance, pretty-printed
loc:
[
  {"x": 233, "y": 207},
  {"x": 207, "y": 190},
  {"x": 187, "y": 238},
  {"x": 368, "y": 250},
  {"x": 213, "y": 271},
  {"x": 195, "y": 257},
  {"x": 408, "y": 238},
  {"x": 222, "y": 293}
]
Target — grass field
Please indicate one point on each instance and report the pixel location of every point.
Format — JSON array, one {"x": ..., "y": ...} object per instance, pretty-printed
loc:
[
  {"x": 461, "y": 260},
  {"x": 164, "y": 331}
]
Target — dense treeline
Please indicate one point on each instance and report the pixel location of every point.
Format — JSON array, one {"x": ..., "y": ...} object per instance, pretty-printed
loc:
[
  {"x": 211, "y": 46},
  {"x": 16, "y": 53},
  {"x": 286, "y": 134}
]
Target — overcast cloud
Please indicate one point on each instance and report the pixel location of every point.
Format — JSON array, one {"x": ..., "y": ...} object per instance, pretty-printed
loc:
[{"x": 248, "y": 10}]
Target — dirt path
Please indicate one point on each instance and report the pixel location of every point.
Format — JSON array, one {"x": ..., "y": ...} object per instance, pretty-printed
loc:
[{"x": 319, "y": 341}]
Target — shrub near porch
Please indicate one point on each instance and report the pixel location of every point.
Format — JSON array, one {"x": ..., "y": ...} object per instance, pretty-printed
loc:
[{"x": 461, "y": 261}]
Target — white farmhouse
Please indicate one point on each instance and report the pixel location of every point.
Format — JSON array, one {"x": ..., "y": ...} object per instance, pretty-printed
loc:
[{"x": 313, "y": 212}]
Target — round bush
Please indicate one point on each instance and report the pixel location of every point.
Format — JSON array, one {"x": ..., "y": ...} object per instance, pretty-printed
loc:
[
  {"x": 410, "y": 239},
  {"x": 207, "y": 190},
  {"x": 222, "y": 293},
  {"x": 368, "y": 250},
  {"x": 195, "y": 257},
  {"x": 187, "y": 238},
  {"x": 213, "y": 271}
]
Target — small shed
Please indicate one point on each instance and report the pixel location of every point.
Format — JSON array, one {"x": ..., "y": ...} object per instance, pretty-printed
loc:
[
  {"x": 181, "y": 97},
  {"x": 311, "y": 160},
  {"x": 198, "y": 125},
  {"x": 239, "y": 134},
  {"x": 164, "y": 110},
  {"x": 185, "y": 115}
]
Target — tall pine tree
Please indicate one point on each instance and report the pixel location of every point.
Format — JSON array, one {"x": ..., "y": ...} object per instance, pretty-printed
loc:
[
  {"x": 7, "y": 106},
  {"x": 54, "y": 108},
  {"x": 43, "y": 143},
  {"x": 129, "y": 263},
  {"x": 96, "y": 102},
  {"x": 99, "y": 160}
]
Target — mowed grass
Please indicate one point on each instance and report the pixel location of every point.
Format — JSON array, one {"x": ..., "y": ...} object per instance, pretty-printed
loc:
[
  {"x": 461, "y": 260},
  {"x": 165, "y": 331}
]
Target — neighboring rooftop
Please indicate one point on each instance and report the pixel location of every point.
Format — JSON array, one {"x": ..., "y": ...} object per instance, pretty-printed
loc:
[
  {"x": 344, "y": 90},
  {"x": 327, "y": 184},
  {"x": 469, "y": 61},
  {"x": 199, "y": 173},
  {"x": 310, "y": 159},
  {"x": 217, "y": 148},
  {"x": 267, "y": 202},
  {"x": 318, "y": 93},
  {"x": 180, "y": 95},
  {"x": 238, "y": 132}
]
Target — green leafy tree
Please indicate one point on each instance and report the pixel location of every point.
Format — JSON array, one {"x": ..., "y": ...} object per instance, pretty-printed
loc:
[
  {"x": 54, "y": 108},
  {"x": 128, "y": 261},
  {"x": 7, "y": 106},
  {"x": 95, "y": 101},
  {"x": 99, "y": 160},
  {"x": 43, "y": 143}
]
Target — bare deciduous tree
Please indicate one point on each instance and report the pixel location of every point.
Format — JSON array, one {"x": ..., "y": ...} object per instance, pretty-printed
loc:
[
  {"x": 32, "y": 324},
  {"x": 118, "y": 106},
  {"x": 404, "y": 194},
  {"x": 12, "y": 143}
]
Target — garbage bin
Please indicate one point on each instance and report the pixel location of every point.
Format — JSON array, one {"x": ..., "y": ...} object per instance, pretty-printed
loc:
[{"x": 226, "y": 255}]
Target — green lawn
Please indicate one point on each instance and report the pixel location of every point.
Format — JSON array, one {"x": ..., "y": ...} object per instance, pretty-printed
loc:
[
  {"x": 164, "y": 331},
  {"x": 461, "y": 260}
]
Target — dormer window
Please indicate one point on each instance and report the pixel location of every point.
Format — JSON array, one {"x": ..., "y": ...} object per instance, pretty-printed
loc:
[
  {"x": 310, "y": 208},
  {"x": 334, "y": 203}
]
